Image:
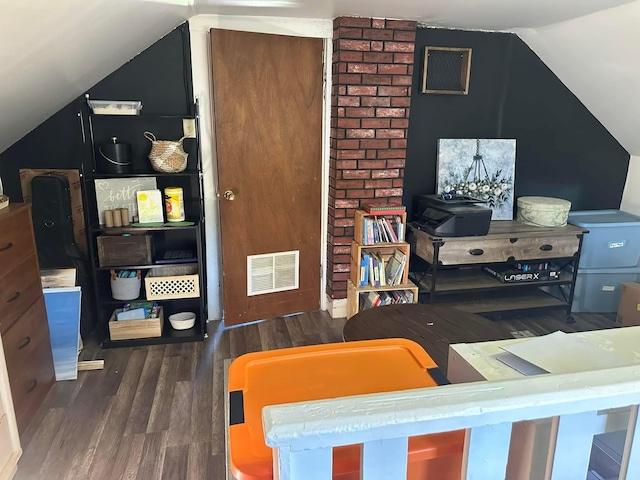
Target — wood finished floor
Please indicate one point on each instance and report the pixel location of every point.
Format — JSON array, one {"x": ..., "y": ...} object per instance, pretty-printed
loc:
[{"x": 157, "y": 412}]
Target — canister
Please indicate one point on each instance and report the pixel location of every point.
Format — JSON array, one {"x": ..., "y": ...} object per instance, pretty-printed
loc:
[
  {"x": 543, "y": 211},
  {"x": 174, "y": 204}
]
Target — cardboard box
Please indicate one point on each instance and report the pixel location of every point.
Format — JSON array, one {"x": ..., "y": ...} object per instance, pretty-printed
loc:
[
  {"x": 77, "y": 212},
  {"x": 629, "y": 308}
]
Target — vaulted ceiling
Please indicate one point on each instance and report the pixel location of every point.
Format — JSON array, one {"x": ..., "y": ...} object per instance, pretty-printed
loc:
[{"x": 52, "y": 52}]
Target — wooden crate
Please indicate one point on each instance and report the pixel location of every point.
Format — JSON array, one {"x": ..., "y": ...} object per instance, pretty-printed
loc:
[
  {"x": 120, "y": 251},
  {"x": 129, "y": 329},
  {"x": 385, "y": 250},
  {"x": 172, "y": 282},
  {"x": 358, "y": 225},
  {"x": 353, "y": 294}
]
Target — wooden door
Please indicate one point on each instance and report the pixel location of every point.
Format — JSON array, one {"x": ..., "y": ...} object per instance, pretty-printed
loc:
[{"x": 267, "y": 92}]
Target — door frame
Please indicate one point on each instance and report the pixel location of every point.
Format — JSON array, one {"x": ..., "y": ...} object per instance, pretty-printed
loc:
[{"x": 199, "y": 27}]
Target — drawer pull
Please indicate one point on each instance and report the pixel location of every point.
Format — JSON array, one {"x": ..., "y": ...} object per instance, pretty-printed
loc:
[
  {"x": 546, "y": 247},
  {"x": 476, "y": 252},
  {"x": 32, "y": 386},
  {"x": 6, "y": 247},
  {"x": 13, "y": 297},
  {"x": 26, "y": 342},
  {"x": 513, "y": 240}
]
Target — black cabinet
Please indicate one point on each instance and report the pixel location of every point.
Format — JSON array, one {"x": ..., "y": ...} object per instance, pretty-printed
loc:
[{"x": 174, "y": 246}]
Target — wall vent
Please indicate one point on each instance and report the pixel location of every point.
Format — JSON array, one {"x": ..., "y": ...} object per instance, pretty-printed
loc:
[{"x": 272, "y": 272}]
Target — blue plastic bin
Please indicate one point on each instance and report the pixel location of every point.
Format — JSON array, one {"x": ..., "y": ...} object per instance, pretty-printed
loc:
[{"x": 613, "y": 239}]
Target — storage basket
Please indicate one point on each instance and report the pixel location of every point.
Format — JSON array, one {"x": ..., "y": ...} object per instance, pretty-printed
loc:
[
  {"x": 130, "y": 329},
  {"x": 125, "y": 288},
  {"x": 167, "y": 156},
  {"x": 120, "y": 250},
  {"x": 179, "y": 281}
]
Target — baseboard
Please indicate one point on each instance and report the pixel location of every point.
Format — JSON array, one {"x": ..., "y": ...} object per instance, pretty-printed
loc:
[{"x": 337, "y": 307}]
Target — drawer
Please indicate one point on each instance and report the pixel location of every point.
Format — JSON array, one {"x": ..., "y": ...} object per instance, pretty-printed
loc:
[
  {"x": 16, "y": 240},
  {"x": 29, "y": 361},
  {"x": 19, "y": 288},
  {"x": 482, "y": 250}
]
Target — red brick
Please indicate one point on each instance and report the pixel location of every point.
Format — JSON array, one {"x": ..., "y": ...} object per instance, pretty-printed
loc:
[
  {"x": 376, "y": 46},
  {"x": 399, "y": 123},
  {"x": 390, "y": 133},
  {"x": 389, "y": 192},
  {"x": 410, "y": 69},
  {"x": 345, "y": 101},
  {"x": 403, "y": 58},
  {"x": 340, "y": 112},
  {"x": 378, "y": 23},
  {"x": 356, "y": 174},
  {"x": 339, "y": 133},
  {"x": 396, "y": 163},
  {"x": 398, "y": 183},
  {"x": 348, "y": 122},
  {"x": 349, "y": 154},
  {"x": 361, "y": 22},
  {"x": 371, "y": 154},
  {"x": 390, "y": 112},
  {"x": 360, "y": 193},
  {"x": 401, "y": 24},
  {"x": 371, "y": 164},
  {"x": 339, "y": 194},
  {"x": 376, "y": 101},
  {"x": 348, "y": 144},
  {"x": 378, "y": 144},
  {"x": 340, "y": 67},
  {"x": 402, "y": 79},
  {"x": 376, "y": 123},
  {"x": 375, "y": 57},
  {"x": 360, "y": 112},
  {"x": 342, "y": 259},
  {"x": 393, "y": 69},
  {"x": 341, "y": 250},
  {"x": 349, "y": 185},
  {"x": 404, "y": 36},
  {"x": 400, "y": 101},
  {"x": 346, "y": 204},
  {"x": 404, "y": 47},
  {"x": 362, "y": 68},
  {"x": 352, "y": 33},
  {"x": 376, "y": 79},
  {"x": 342, "y": 267},
  {"x": 392, "y": 154},
  {"x": 350, "y": 56},
  {"x": 378, "y": 184},
  {"x": 346, "y": 165},
  {"x": 346, "y": 79},
  {"x": 360, "y": 133},
  {"x": 377, "y": 34},
  {"x": 342, "y": 89},
  {"x": 385, "y": 91},
  {"x": 357, "y": 45},
  {"x": 339, "y": 240},
  {"x": 387, "y": 173},
  {"x": 362, "y": 90}
]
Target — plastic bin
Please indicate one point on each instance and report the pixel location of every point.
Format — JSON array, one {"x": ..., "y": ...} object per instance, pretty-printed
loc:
[
  {"x": 613, "y": 239},
  {"x": 328, "y": 371}
]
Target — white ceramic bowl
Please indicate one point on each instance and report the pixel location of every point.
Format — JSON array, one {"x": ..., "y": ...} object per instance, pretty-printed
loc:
[{"x": 182, "y": 320}]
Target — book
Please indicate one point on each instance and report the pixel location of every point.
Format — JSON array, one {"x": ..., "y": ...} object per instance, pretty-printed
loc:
[
  {"x": 395, "y": 268},
  {"x": 381, "y": 208}
]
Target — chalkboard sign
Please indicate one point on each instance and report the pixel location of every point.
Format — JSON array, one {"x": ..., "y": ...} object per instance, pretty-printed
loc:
[{"x": 120, "y": 193}]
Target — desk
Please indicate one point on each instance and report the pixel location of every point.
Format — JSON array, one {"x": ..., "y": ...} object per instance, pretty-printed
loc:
[
  {"x": 475, "y": 362},
  {"x": 434, "y": 327}
]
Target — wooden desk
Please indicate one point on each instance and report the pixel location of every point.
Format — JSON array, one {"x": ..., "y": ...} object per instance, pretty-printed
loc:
[{"x": 434, "y": 327}]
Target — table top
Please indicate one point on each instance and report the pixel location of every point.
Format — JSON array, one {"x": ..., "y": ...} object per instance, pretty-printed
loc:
[{"x": 434, "y": 327}]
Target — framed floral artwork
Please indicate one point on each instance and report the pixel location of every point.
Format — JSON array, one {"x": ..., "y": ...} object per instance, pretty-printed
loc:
[{"x": 483, "y": 168}]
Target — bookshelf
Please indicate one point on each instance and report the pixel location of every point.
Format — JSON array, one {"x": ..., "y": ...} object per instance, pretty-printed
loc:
[{"x": 379, "y": 262}]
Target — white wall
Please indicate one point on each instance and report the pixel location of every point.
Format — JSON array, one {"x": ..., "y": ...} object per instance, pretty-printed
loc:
[
  {"x": 631, "y": 196},
  {"x": 199, "y": 27}
]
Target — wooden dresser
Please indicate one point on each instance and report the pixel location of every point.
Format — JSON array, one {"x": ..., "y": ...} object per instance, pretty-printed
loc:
[{"x": 23, "y": 318}]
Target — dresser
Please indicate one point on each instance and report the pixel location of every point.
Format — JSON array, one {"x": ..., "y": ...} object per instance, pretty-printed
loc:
[{"x": 23, "y": 318}]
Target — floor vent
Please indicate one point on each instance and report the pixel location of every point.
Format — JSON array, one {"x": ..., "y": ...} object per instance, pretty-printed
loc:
[{"x": 272, "y": 272}]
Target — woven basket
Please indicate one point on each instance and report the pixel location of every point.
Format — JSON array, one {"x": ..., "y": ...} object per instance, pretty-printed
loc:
[
  {"x": 167, "y": 156},
  {"x": 125, "y": 288}
]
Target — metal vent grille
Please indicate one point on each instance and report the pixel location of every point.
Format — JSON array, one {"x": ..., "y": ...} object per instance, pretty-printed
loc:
[{"x": 272, "y": 272}]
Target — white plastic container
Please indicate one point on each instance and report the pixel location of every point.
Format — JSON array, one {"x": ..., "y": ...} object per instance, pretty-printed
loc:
[
  {"x": 543, "y": 211},
  {"x": 115, "y": 107}
]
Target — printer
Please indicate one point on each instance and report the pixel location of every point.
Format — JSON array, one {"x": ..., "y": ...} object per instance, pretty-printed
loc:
[{"x": 452, "y": 216}]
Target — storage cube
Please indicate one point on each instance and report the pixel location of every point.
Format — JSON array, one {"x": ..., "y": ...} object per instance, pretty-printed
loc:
[{"x": 613, "y": 239}]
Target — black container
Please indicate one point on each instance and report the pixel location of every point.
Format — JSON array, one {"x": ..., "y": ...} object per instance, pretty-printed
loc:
[{"x": 114, "y": 157}]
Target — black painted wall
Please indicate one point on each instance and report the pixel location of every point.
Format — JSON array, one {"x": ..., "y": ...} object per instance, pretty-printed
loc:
[
  {"x": 160, "y": 77},
  {"x": 562, "y": 150}
]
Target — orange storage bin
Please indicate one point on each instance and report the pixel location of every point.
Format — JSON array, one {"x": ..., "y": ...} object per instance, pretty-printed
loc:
[{"x": 329, "y": 371}]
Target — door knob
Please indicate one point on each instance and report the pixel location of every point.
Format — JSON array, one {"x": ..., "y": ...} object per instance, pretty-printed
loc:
[{"x": 229, "y": 195}]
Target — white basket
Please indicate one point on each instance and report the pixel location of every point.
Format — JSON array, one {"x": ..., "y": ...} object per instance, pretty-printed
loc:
[
  {"x": 125, "y": 288},
  {"x": 179, "y": 281}
]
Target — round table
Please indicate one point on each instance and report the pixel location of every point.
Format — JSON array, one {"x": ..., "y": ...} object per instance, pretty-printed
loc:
[{"x": 434, "y": 327}]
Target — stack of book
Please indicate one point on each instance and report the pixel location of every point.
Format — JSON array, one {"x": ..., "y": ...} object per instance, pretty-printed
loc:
[
  {"x": 378, "y": 299},
  {"x": 380, "y": 229},
  {"x": 379, "y": 270}
]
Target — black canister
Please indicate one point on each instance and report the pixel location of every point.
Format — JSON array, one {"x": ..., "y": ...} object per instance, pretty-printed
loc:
[{"x": 114, "y": 157}]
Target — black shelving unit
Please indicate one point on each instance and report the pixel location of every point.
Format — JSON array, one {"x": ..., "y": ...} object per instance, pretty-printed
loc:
[{"x": 97, "y": 129}]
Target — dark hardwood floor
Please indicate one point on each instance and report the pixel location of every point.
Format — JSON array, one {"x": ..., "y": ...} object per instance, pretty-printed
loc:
[{"x": 157, "y": 412}]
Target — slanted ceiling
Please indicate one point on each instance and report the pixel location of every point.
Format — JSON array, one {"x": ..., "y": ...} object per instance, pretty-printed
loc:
[{"x": 53, "y": 51}]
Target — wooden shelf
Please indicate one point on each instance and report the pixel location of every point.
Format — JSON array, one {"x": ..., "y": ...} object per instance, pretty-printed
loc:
[
  {"x": 353, "y": 294},
  {"x": 526, "y": 300}
]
